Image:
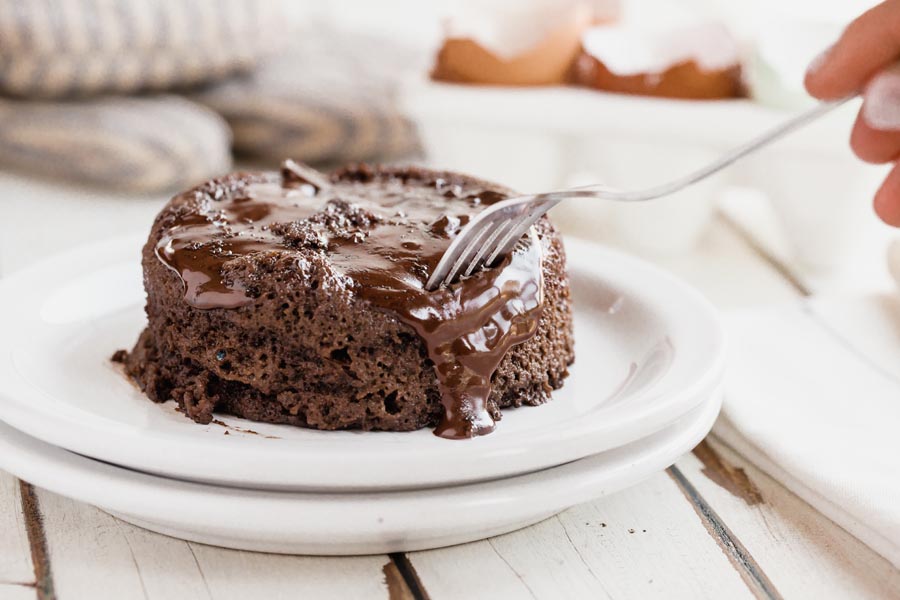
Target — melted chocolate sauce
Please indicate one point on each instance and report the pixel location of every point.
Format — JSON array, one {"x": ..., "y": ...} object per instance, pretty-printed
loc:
[{"x": 386, "y": 234}]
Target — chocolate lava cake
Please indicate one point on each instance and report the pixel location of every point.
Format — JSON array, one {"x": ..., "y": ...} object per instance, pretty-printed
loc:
[{"x": 299, "y": 297}]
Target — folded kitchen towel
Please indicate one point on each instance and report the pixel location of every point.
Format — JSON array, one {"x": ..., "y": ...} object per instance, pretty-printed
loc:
[
  {"x": 894, "y": 259},
  {"x": 330, "y": 97},
  {"x": 87, "y": 47},
  {"x": 813, "y": 398},
  {"x": 140, "y": 144}
]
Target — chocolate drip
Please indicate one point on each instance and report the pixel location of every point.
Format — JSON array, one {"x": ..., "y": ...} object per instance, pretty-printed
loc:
[{"x": 385, "y": 234}]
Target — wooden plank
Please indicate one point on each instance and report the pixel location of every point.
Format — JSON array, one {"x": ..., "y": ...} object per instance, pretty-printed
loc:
[
  {"x": 98, "y": 556},
  {"x": 803, "y": 552},
  {"x": 17, "y": 592},
  {"x": 241, "y": 575},
  {"x": 15, "y": 553},
  {"x": 84, "y": 542},
  {"x": 37, "y": 542},
  {"x": 645, "y": 542},
  {"x": 746, "y": 565}
]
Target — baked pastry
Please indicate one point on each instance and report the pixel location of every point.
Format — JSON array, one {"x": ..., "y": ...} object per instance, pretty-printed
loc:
[
  {"x": 298, "y": 298},
  {"x": 691, "y": 62},
  {"x": 522, "y": 44}
]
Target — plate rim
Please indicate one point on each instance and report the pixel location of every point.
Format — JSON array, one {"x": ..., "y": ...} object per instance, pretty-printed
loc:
[{"x": 46, "y": 426}]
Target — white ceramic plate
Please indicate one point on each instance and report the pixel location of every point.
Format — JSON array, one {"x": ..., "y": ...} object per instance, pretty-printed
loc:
[
  {"x": 648, "y": 349},
  {"x": 349, "y": 523}
]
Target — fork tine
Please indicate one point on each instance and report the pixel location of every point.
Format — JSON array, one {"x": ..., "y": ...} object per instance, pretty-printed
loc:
[
  {"x": 471, "y": 247},
  {"x": 491, "y": 234},
  {"x": 521, "y": 225},
  {"x": 500, "y": 222},
  {"x": 452, "y": 255},
  {"x": 489, "y": 244}
]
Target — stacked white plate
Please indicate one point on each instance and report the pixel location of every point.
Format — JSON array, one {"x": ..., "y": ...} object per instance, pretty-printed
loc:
[{"x": 645, "y": 388}]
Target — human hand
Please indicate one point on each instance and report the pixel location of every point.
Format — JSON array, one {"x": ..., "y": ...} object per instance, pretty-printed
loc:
[{"x": 865, "y": 60}]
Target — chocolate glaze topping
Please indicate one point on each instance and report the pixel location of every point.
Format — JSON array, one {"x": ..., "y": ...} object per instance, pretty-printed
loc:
[{"x": 386, "y": 234}]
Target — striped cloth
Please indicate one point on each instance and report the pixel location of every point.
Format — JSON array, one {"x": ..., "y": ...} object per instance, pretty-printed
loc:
[
  {"x": 330, "y": 97},
  {"x": 145, "y": 144},
  {"x": 65, "y": 48}
]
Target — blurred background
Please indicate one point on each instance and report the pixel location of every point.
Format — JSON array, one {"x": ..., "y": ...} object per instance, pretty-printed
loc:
[{"x": 107, "y": 107}]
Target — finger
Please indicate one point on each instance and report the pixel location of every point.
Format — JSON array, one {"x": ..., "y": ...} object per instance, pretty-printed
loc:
[
  {"x": 874, "y": 145},
  {"x": 870, "y": 43},
  {"x": 887, "y": 199}
]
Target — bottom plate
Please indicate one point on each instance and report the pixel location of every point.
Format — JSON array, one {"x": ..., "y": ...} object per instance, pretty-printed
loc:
[{"x": 347, "y": 523}]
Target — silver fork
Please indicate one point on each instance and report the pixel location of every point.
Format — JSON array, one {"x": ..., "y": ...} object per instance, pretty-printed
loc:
[{"x": 496, "y": 230}]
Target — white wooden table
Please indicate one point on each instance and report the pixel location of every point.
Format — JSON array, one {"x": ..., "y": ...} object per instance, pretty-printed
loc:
[{"x": 711, "y": 526}]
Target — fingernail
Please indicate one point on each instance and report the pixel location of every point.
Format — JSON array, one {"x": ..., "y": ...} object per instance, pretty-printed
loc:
[
  {"x": 881, "y": 107},
  {"x": 816, "y": 63}
]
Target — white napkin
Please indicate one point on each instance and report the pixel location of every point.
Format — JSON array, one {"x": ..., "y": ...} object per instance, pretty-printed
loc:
[
  {"x": 813, "y": 399},
  {"x": 893, "y": 257}
]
